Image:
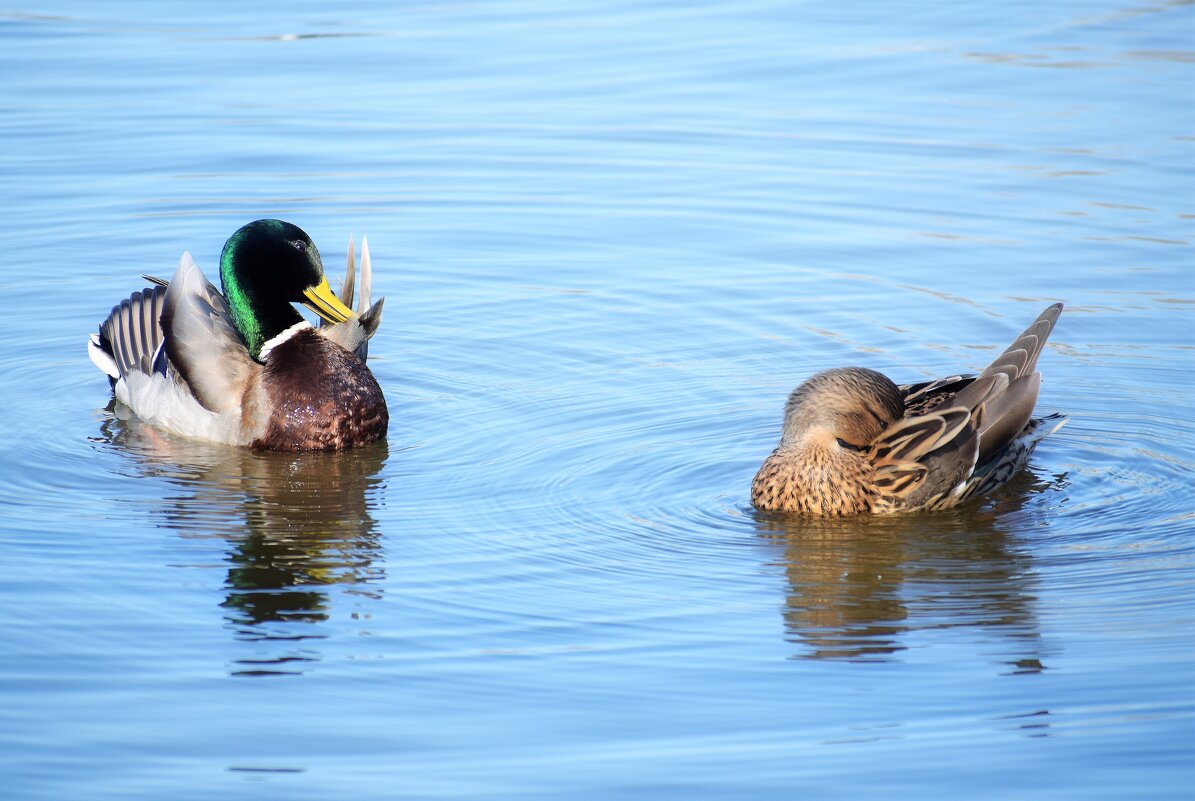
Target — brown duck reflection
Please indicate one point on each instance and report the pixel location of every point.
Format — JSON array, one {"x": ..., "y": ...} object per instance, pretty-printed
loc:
[
  {"x": 858, "y": 588},
  {"x": 298, "y": 527}
]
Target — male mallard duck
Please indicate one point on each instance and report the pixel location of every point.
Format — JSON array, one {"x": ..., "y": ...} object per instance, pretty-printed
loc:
[
  {"x": 245, "y": 368},
  {"x": 854, "y": 442}
]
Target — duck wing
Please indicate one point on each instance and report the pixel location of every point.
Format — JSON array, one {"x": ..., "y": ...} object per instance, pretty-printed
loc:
[
  {"x": 921, "y": 460},
  {"x": 926, "y": 396},
  {"x": 201, "y": 342},
  {"x": 1007, "y": 389},
  {"x": 993, "y": 473},
  {"x": 130, "y": 338},
  {"x": 350, "y": 273},
  {"x": 354, "y": 335}
]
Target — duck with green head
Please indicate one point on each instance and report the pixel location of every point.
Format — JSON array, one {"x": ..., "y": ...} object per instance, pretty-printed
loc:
[{"x": 244, "y": 367}]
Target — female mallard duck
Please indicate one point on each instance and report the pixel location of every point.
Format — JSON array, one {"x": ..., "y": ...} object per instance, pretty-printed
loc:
[
  {"x": 245, "y": 368},
  {"x": 854, "y": 442}
]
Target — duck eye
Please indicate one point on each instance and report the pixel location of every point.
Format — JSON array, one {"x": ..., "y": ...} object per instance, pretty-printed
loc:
[{"x": 298, "y": 244}]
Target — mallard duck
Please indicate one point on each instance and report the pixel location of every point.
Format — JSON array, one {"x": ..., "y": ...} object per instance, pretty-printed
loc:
[
  {"x": 244, "y": 367},
  {"x": 854, "y": 442}
]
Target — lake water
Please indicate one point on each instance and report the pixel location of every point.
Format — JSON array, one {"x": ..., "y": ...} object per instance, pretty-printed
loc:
[{"x": 612, "y": 237}]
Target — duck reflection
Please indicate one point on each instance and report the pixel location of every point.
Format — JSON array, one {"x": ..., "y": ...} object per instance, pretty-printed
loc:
[
  {"x": 858, "y": 589},
  {"x": 298, "y": 525}
]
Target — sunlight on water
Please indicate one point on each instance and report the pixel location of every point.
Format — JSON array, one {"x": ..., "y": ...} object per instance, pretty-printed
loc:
[{"x": 611, "y": 240}]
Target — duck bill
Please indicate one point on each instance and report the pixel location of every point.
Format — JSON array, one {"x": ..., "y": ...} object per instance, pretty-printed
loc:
[{"x": 322, "y": 301}]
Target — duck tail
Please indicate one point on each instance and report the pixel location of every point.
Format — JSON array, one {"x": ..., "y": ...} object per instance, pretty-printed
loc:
[
  {"x": 1039, "y": 428},
  {"x": 99, "y": 350},
  {"x": 1006, "y": 391}
]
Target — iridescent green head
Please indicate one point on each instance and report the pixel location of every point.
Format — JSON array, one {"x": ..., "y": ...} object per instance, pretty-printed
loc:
[{"x": 265, "y": 268}]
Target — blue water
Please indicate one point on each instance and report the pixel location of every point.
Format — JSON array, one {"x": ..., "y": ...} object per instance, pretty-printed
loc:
[{"x": 612, "y": 237}]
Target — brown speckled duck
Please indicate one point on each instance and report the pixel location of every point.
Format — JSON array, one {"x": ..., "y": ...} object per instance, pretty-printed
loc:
[
  {"x": 244, "y": 367},
  {"x": 853, "y": 442}
]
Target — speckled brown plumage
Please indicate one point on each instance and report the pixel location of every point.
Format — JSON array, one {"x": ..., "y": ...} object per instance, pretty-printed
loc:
[
  {"x": 854, "y": 442},
  {"x": 320, "y": 397},
  {"x": 813, "y": 483},
  {"x": 817, "y": 468}
]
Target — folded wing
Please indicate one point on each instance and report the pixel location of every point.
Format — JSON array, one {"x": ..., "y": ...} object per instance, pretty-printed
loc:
[
  {"x": 1007, "y": 389},
  {"x": 202, "y": 343},
  {"x": 924, "y": 458}
]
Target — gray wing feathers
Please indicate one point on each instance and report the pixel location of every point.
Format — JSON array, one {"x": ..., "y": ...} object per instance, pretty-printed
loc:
[
  {"x": 354, "y": 335},
  {"x": 201, "y": 341},
  {"x": 132, "y": 331},
  {"x": 346, "y": 288},
  {"x": 1006, "y": 392},
  {"x": 1007, "y": 414},
  {"x": 366, "y": 277}
]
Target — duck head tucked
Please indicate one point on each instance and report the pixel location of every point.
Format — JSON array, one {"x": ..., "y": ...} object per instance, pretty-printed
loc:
[
  {"x": 854, "y": 442},
  {"x": 844, "y": 408},
  {"x": 829, "y": 421}
]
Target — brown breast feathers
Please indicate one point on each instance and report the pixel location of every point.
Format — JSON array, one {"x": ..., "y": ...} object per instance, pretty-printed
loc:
[{"x": 320, "y": 396}]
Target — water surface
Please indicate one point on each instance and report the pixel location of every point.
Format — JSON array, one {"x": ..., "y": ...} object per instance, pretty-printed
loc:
[{"x": 611, "y": 241}]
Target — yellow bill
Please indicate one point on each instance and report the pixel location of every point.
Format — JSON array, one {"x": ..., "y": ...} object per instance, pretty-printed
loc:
[{"x": 322, "y": 301}]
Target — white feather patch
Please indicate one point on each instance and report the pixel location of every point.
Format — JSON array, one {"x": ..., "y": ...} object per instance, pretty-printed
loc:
[
  {"x": 275, "y": 341},
  {"x": 100, "y": 358}
]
